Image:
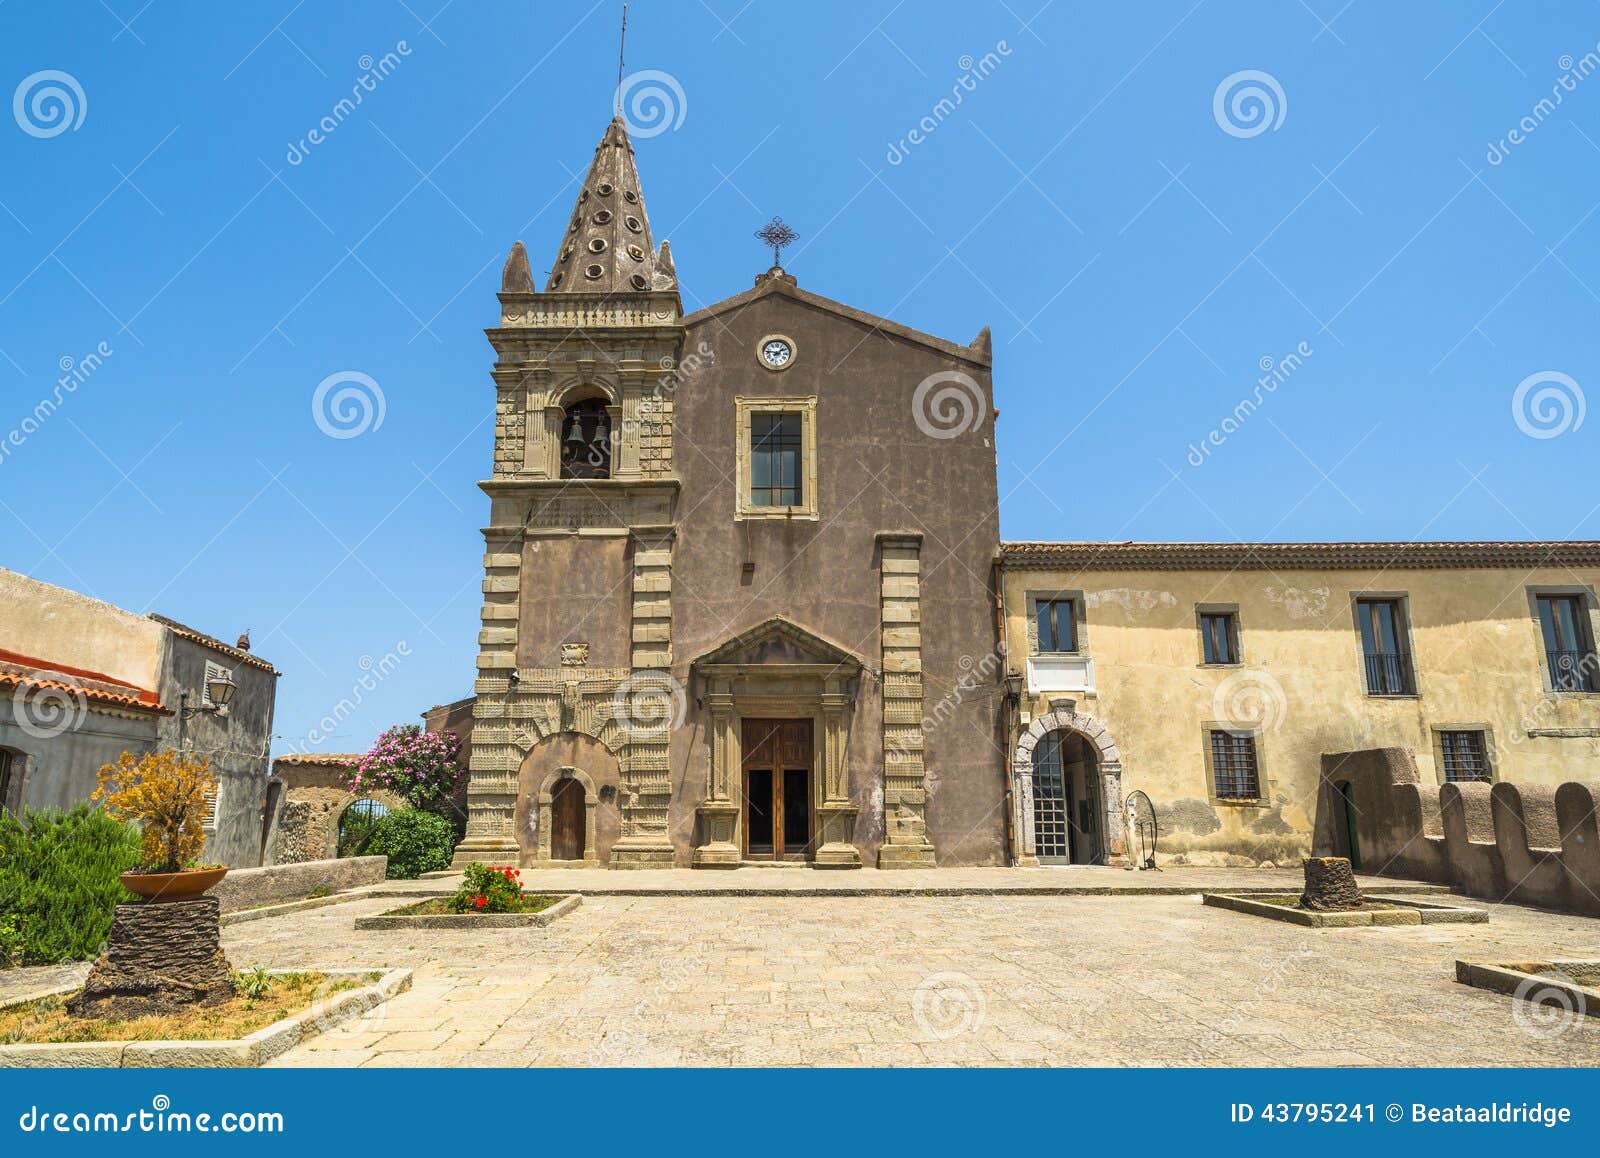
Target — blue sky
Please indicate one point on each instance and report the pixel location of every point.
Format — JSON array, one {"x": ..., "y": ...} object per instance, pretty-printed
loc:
[{"x": 1138, "y": 254}]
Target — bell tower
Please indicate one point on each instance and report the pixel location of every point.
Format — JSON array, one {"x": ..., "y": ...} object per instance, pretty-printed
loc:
[{"x": 577, "y": 592}]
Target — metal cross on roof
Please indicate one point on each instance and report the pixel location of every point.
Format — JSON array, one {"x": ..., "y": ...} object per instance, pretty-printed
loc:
[{"x": 776, "y": 234}]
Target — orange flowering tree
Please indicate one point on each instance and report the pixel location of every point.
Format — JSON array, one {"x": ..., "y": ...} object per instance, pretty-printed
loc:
[{"x": 166, "y": 795}]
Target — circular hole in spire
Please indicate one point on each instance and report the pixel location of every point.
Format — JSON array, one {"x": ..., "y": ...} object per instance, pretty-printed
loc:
[
  {"x": 630, "y": 197},
  {"x": 555, "y": 279},
  {"x": 632, "y": 223},
  {"x": 604, "y": 189},
  {"x": 594, "y": 272},
  {"x": 638, "y": 281},
  {"x": 583, "y": 195},
  {"x": 573, "y": 228},
  {"x": 603, "y": 217},
  {"x": 566, "y": 253},
  {"x": 636, "y": 253},
  {"x": 597, "y": 245}
]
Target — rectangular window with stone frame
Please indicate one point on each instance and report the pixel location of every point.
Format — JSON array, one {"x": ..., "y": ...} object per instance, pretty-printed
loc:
[
  {"x": 1055, "y": 623},
  {"x": 1235, "y": 776},
  {"x": 777, "y": 458}
]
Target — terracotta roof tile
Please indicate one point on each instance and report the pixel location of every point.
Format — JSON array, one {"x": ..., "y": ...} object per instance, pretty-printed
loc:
[
  {"x": 37, "y": 674},
  {"x": 250, "y": 659}
]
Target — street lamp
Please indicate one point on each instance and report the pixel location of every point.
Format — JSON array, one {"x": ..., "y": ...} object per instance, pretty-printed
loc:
[{"x": 219, "y": 691}]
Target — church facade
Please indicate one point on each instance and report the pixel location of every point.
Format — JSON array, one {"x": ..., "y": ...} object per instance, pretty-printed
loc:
[
  {"x": 745, "y": 601},
  {"x": 725, "y": 562}
]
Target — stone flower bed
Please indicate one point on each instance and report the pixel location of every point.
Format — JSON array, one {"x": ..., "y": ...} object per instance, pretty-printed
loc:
[
  {"x": 1374, "y": 910},
  {"x": 433, "y": 914},
  {"x": 339, "y": 996},
  {"x": 1564, "y": 989}
]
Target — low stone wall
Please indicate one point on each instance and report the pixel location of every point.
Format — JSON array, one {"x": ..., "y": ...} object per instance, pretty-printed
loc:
[
  {"x": 247, "y": 888},
  {"x": 1531, "y": 844}
]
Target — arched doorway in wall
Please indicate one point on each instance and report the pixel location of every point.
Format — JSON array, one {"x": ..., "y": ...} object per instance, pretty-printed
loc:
[
  {"x": 1344, "y": 818},
  {"x": 356, "y": 823},
  {"x": 568, "y": 835},
  {"x": 1067, "y": 808}
]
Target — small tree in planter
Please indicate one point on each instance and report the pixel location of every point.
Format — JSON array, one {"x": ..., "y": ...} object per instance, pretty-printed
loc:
[
  {"x": 160, "y": 958},
  {"x": 166, "y": 795},
  {"x": 423, "y": 768}
]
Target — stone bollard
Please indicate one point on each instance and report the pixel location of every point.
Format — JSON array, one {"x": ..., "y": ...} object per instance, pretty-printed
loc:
[
  {"x": 162, "y": 958},
  {"x": 1330, "y": 885}
]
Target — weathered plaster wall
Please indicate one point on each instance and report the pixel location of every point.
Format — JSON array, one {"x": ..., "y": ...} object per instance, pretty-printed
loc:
[
  {"x": 1479, "y": 661},
  {"x": 1530, "y": 844},
  {"x": 52, "y": 623}
]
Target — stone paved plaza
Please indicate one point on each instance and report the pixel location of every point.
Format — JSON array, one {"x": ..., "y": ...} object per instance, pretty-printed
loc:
[
  {"x": 996, "y": 979},
  {"x": 836, "y": 981}
]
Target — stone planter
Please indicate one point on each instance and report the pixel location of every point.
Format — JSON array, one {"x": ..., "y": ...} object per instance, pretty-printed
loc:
[
  {"x": 1378, "y": 911},
  {"x": 252, "y": 1050},
  {"x": 463, "y": 921},
  {"x": 179, "y": 886}
]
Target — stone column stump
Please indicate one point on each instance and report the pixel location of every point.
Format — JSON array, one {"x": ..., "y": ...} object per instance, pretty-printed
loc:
[
  {"x": 162, "y": 958},
  {"x": 1330, "y": 885}
]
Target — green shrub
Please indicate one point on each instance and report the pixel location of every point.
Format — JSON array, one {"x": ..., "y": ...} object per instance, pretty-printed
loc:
[
  {"x": 415, "y": 842},
  {"x": 58, "y": 882}
]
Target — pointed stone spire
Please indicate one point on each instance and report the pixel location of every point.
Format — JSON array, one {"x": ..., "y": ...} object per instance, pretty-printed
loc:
[
  {"x": 607, "y": 247},
  {"x": 517, "y": 278}
]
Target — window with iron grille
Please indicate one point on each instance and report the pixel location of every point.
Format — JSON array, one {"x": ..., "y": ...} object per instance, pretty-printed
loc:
[
  {"x": 1233, "y": 766},
  {"x": 1058, "y": 631},
  {"x": 1384, "y": 648},
  {"x": 775, "y": 459},
  {"x": 1568, "y": 646},
  {"x": 1466, "y": 758},
  {"x": 1219, "y": 634}
]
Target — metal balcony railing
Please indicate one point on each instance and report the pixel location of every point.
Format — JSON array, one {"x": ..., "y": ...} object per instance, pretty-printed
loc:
[
  {"x": 1571, "y": 671},
  {"x": 1389, "y": 673}
]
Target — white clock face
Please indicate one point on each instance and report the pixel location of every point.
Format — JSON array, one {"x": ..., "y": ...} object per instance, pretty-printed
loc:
[{"x": 776, "y": 353}]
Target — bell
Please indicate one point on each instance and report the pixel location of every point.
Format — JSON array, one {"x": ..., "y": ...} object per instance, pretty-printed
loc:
[{"x": 574, "y": 435}]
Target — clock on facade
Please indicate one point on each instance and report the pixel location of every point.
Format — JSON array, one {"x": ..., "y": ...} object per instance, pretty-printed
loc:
[{"x": 776, "y": 352}]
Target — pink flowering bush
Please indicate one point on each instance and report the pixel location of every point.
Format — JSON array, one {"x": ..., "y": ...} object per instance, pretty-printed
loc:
[{"x": 423, "y": 768}]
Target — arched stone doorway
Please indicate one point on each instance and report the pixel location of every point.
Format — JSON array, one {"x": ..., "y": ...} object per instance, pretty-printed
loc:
[
  {"x": 1067, "y": 778},
  {"x": 567, "y": 836},
  {"x": 567, "y": 812}
]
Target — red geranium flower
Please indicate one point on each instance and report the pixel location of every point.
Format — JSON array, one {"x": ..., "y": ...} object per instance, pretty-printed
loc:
[{"x": 481, "y": 901}]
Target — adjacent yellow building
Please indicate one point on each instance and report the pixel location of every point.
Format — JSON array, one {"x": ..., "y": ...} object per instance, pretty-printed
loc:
[{"x": 1213, "y": 677}]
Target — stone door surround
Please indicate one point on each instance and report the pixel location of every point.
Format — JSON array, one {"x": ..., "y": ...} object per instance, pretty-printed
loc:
[{"x": 1064, "y": 717}]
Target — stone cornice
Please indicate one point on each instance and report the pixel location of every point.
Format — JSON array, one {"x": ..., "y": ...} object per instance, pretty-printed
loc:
[{"x": 1128, "y": 556}]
